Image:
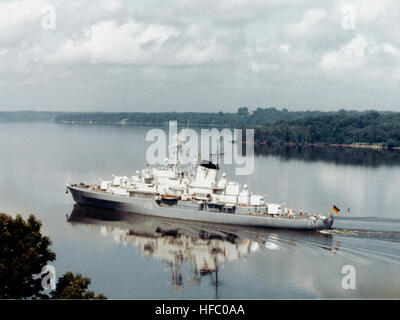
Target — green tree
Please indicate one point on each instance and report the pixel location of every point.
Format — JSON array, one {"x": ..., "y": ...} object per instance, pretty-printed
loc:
[
  {"x": 391, "y": 143},
  {"x": 243, "y": 111},
  {"x": 71, "y": 286},
  {"x": 24, "y": 251}
]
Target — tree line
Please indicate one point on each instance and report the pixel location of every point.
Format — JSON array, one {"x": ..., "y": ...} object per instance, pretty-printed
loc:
[
  {"x": 368, "y": 127},
  {"x": 239, "y": 119},
  {"x": 272, "y": 126}
]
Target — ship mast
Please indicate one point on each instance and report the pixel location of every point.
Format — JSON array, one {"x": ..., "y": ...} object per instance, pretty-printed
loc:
[{"x": 218, "y": 154}]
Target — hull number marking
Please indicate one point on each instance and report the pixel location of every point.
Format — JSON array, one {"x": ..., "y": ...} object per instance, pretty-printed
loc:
[{"x": 148, "y": 205}]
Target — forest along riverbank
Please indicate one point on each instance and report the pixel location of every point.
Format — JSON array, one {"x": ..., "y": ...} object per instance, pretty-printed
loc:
[{"x": 356, "y": 129}]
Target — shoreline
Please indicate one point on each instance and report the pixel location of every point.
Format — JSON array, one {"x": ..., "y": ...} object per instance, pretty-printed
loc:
[
  {"x": 290, "y": 144},
  {"x": 332, "y": 145}
]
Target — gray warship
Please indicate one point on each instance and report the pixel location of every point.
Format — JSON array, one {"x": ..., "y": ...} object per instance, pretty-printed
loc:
[{"x": 195, "y": 192}]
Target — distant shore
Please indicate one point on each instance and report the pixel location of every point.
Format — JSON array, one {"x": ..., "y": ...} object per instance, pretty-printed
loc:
[
  {"x": 334, "y": 145},
  {"x": 368, "y": 129}
]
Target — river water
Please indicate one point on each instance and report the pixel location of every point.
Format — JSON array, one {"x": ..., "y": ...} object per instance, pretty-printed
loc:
[{"x": 129, "y": 256}]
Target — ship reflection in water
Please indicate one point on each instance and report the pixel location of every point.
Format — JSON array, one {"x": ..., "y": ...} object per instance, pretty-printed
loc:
[{"x": 203, "y": 247}]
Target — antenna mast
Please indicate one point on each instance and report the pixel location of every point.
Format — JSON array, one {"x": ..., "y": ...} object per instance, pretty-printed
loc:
[{"x": 218, "y": 154}]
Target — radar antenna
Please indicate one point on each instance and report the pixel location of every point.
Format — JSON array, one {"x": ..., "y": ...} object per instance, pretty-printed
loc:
[{"x": 217, "y": 154}]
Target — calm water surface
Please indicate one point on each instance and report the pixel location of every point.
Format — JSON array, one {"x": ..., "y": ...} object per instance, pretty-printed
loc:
[{"x": 130, "y": 256}]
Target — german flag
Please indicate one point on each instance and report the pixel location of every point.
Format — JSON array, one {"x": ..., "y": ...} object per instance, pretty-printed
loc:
[{"x": 335, "y": 209}]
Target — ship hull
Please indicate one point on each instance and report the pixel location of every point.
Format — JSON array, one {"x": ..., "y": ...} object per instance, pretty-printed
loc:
[{"x": 149, "y": 207}]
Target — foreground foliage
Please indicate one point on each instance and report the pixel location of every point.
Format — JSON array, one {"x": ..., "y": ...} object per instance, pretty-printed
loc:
[
  {"x": 71, "y": 286},
  {"x": 23, "y": 254},
  {"x": 24, "y": 251}
]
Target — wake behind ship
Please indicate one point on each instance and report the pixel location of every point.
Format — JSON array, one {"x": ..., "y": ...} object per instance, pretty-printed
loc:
[{"x": 196, "y": 193}]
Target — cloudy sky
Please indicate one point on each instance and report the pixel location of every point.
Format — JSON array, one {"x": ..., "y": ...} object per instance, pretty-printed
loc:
[{"x": 199, "y": 55}]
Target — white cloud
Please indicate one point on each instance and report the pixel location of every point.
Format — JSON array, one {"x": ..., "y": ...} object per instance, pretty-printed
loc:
[
  {"x": 18, "y": 19},
  {"x": 108, "y": 42},
  {"x": 368, "y": 10},
  {"x": 349, "y": 56},
  {"x": 284, "y": 48},
  {"x": 138, "y": 43},
  {"x": 110, "y": 5},
  {"x": 308, "y": 25},
  {"x": 199, "y": 53},
  {"x": 237, "y": 11},
  {"x": 392, "y": 50}
]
